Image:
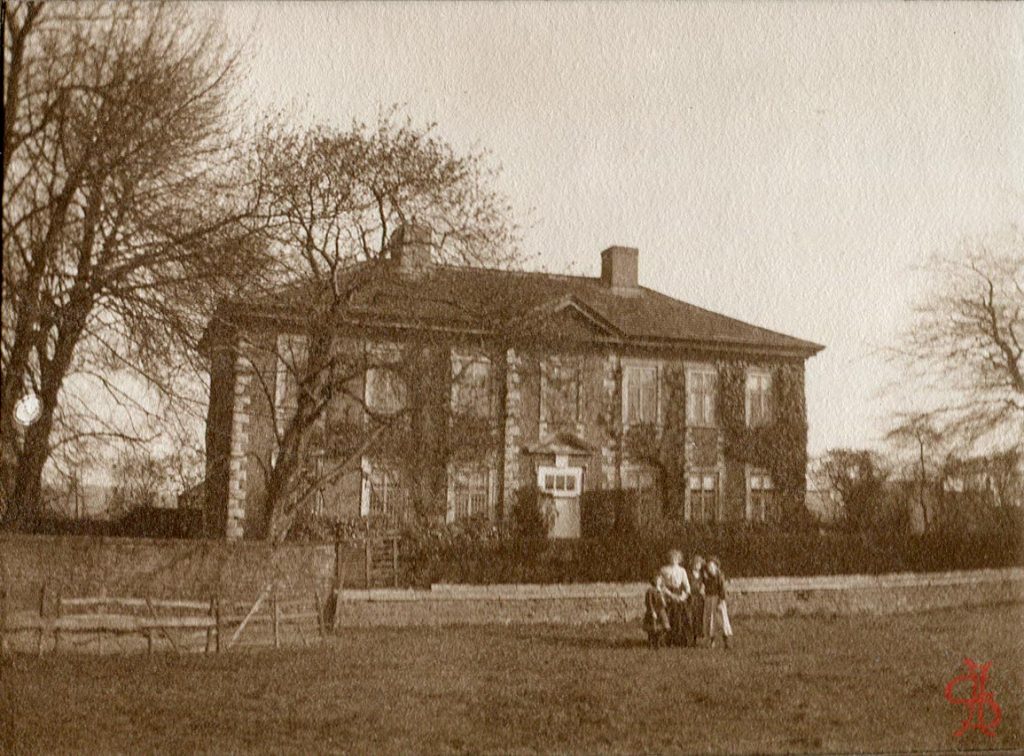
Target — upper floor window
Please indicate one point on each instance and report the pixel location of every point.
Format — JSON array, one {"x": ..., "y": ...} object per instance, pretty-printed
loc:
[
  {"x": 759, "y": 398},
  {"x": 701, "y": 387},
  {"x": 291, "y": 359},
  {"x": 760, "y": 496},
  {"x": 471, "y": 386},
  {"x": 703, "y": 494},
  {"x": 639, "y": 394},
  {"x": 385, "y": 390},
  {"x": 560, "y": 396}
]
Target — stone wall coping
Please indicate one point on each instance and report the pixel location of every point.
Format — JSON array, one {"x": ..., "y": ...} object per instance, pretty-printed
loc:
[
  {"x": 88, "y": 541},
  {"x": 738, "y": 586}
]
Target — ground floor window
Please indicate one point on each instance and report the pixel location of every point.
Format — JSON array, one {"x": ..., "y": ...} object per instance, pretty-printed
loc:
[
  {"x": 760, "y": 496},
  {"x": 469, "y": 492},
  {"x": 702, "y": 490},
  {"x": 645, "y": 481},
  {"x": 384, "y": 496}
]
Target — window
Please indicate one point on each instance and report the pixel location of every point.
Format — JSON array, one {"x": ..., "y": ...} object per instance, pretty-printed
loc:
[
  {"x": 641, "y": 479},
  {"x": 291, "y": 358},
  {"x": 701, "y": 387},
  {"x": 639, "y": 394},
  {"x": 471, "y": 487},
  {"x": 560, "y": 481},
  {"x": 471, "y": 386},
  {"x": 560, "y": 397},
  {"x": 385, "y": 391},
  {"x": 703, "y": 493},
  {"x": 383, "y": 494},
  {"x": 759, "y": 409},
  {"x": 760, "y": 496}
]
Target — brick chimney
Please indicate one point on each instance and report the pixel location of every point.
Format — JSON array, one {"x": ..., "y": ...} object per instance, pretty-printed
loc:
[
  {"x": 410, "y": 248},
  {"x": 619, "y": 269}
]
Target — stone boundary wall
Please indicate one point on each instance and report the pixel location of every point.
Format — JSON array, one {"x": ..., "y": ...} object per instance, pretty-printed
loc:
[
  {"x": 607, "y": 602},
  {"x": 159, "y": 568}
]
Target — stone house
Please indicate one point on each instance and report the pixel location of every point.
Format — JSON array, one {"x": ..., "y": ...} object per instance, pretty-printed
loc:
[{"x": 508, "y": 381}]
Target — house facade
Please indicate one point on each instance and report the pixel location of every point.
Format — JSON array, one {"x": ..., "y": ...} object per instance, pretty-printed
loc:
[{"x": 464, "y": 387}]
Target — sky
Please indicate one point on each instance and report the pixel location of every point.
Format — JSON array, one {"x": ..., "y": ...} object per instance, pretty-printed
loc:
[{"x": 790, "y": 165}]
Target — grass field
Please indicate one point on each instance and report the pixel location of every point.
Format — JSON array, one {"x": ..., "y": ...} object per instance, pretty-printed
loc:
[{"x": 843, "y": 684}]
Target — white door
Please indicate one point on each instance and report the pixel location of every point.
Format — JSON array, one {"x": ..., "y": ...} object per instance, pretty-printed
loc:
[
  {"x": 567, "y": 519},
  {"x": 561, "y": 487}
]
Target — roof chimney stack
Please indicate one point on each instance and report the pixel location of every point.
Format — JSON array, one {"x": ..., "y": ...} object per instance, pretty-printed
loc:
[
  {"x": 410, "y": 248},
  {"x": 619, "y": 269}
]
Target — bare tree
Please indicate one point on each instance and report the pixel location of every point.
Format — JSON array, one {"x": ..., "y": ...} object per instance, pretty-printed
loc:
[
  {"x": 334, "y": 200},
  {"x": 966, "y": 344},
  {"x": 124, "y": 209},
  {"x": 859, "y": 477},
  {"x": 139, "y": 480},
  {"x": 917, "y": 431}
]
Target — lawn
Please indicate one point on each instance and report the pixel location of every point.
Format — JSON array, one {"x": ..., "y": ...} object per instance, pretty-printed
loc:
[{"x": 841, "y": 684}]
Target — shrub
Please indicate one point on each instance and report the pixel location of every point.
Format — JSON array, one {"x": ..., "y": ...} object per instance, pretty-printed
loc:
[
  {"x": 529, "y": 520},
  {"x": 597, "y": 513}
]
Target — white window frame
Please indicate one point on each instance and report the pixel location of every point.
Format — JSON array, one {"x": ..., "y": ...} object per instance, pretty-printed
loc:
[
  {"x": 454, "y": 469},
  {"x": 755, "y": 376},
  {"x": 372, "y": 392},
  {"x": 368, "y": 470},
  {"x": 565, "y": 474},
  {"x": 628, "y": 365},
  {"x": 758, "y": 480},
  {"x": 703, "y": 481},
  {"x": 709, "y": 399}
]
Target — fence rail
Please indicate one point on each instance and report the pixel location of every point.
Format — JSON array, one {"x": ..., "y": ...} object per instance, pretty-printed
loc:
[{"x": 178, "y": 622}]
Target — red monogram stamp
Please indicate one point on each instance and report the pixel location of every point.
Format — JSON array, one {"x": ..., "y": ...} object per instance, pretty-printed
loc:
[{"x": 978, "y": 703}]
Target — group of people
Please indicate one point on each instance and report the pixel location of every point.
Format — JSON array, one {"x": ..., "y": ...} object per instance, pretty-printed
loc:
[{"x": 687, "y": 607}]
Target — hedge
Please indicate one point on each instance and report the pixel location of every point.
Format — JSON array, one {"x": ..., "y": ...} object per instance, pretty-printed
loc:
[{"x": 487, "y": 556}]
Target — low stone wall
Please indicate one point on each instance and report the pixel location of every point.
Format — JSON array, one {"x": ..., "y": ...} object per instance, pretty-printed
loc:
[
  {"x": 89, "y": 566},
  {"x": 598, "y": 602}
]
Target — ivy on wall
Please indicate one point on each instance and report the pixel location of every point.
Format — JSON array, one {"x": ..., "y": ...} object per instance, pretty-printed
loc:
[{"x": 779, "y": 447}]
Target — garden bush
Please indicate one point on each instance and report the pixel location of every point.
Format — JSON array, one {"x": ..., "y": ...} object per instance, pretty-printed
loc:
[{"x": 460, "y": 555}]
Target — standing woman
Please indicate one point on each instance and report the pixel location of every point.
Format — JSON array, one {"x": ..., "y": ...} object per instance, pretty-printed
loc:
[
  {"x": 695, "y": 604},
  {"x": 716, "y": 613},
  {"x": 677, "y": 588}
]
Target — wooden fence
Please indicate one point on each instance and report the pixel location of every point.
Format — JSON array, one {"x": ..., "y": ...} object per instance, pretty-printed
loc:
[{"x": 181, "y": 624}]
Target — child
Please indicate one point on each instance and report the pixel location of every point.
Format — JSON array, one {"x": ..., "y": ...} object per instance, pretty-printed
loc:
[
  {"x": 716, "y": 614},
  {"x": 695, "y": 604},
  {"x": 677, "y": 589},
  {"x": 656, "y": 613}
]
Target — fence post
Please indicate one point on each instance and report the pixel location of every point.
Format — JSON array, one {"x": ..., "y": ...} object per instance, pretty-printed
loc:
[
  {"x": 209, "y": 630},
  {"x": 394, "y": 559},
  {"x": 42, "y": 614},
  {"x": 367, "y": 559},
  {"x": 277, "y": 616},
  {"x": 217, "y": 619},
  {"x": 337, "y": 559},
  {"x": 56, "y": 622},
  {"x": 4, "y": 611}
]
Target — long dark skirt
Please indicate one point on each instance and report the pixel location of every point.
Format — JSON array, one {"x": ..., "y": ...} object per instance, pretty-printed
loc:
[
  {"x": 695, "y": 618},
  {"x": 678, "y": 634}
]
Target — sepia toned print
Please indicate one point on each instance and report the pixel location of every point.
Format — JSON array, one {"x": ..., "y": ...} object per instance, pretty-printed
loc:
[{"x": 400, "y": 377}]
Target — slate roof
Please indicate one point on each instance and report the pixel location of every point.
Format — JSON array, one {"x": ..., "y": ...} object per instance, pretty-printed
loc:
[{"x": 476, "y": 299}]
